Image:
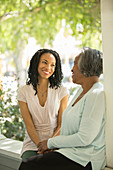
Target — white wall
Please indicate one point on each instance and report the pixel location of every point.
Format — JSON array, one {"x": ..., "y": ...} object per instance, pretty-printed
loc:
[{"x": 107, "y": 33}]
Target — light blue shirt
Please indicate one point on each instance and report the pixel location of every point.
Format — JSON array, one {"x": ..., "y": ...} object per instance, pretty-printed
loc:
[{"x": 82, "y": 136}]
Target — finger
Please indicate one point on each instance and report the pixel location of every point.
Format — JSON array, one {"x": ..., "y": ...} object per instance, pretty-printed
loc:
[
  {"x": 39, "y": 152},
  {"x": 38, "y": 144},
  {"x": 39, "y": 149}
]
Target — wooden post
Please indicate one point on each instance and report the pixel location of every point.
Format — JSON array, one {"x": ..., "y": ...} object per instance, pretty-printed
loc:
[{"x": 107, "y": 43}]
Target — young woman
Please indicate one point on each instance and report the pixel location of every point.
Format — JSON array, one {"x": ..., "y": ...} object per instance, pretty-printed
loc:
[{"x": 42, "y": 100}]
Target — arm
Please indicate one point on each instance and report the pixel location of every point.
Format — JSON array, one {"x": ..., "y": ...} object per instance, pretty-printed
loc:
[
  {"x": 91, "y": 122},
  {"x": 42, "y": 146},
  {"x": 63, "y": 105},
  {"x": 28, "y": 122}
]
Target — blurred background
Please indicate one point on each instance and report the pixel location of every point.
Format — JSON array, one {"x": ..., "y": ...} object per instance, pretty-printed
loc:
[{"x": 28, "y": 25}]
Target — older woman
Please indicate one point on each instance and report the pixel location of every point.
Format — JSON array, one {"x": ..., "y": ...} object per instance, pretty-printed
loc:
[{"x": 81, "y": 144}]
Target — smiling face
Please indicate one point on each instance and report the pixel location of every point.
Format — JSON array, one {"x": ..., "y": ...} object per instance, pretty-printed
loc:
[
  {"x": 46, "y": 65},
  {"x": 77, "y": 76}
]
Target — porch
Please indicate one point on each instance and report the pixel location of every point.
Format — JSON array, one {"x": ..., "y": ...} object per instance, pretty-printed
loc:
[{"x": 10, "y": 149}]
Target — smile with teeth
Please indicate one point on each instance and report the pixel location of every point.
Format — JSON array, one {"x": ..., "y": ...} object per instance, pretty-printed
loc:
[{"x": 46, "y": 72}]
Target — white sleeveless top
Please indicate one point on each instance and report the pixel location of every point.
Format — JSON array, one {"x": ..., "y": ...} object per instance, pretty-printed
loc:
[{"x": 44, "y": 118}]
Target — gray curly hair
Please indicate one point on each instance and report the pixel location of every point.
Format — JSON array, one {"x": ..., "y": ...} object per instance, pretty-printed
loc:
[{"x": 90, "y": 62}]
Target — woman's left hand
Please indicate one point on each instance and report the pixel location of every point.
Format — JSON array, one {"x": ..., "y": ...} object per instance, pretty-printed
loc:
[{"x": 42, "y": 146}]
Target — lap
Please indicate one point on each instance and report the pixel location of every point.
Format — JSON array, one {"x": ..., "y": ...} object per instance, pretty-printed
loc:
[
  {"x": 51, "y": 160},
  {"x": 28, "y": 154}
]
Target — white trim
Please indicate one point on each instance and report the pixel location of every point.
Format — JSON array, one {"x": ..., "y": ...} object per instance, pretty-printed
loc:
[{"x": 9, "y": 153}]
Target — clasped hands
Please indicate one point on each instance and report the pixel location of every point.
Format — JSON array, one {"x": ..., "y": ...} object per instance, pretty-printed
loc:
[{"x": 42, "y": 147}]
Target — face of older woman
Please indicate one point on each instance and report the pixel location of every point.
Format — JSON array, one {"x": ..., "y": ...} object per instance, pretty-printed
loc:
[{"x": 77, "y": 76}]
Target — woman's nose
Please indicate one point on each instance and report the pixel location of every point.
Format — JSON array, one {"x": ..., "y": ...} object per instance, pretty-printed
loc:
[
  {"x": 48, "y": 66},
  {"x": 72, "y": 70}
]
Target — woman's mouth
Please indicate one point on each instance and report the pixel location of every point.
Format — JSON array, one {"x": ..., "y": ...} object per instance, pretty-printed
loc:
[
  {"x": 46, "y": 72},
  {"x": 72, "y": 74}
]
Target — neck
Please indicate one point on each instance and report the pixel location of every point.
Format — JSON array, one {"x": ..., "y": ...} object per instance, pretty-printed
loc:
[
  {"x": 89, "y": 82},
  {"x": 43, "y": 83}
]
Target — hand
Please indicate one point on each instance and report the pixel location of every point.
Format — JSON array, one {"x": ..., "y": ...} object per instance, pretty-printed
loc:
[{"x": 42, "y": 146}]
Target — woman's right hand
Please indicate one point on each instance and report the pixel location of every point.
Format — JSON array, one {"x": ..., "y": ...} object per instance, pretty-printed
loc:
[{"x": 42, "y": 146}]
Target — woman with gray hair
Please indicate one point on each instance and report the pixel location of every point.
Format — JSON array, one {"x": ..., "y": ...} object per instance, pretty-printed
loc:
[{"x": 81, "y": 144}]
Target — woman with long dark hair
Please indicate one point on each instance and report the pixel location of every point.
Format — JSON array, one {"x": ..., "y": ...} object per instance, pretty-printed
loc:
[{"x": 42, "y": 100}]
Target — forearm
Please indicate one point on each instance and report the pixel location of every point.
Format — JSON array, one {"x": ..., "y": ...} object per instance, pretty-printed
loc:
[
  {"x": 61, "y": 142},
  {"x": 32, "y": 132},
  {"x": 65, "y": 142},
  {"x": 63, "y": 105},
  {"x": 27, "y": 118},
  {"x": 57, "y": 132},
  {"x": 80, "y": 139}
]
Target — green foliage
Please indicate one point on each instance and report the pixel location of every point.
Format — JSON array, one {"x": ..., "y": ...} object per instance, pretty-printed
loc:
[
  {"x": 11, "y": 123},
  {"x": 42, "y": 19}
]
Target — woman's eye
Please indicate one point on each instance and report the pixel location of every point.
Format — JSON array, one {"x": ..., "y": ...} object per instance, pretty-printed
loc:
[
  {"x": 44, "y": 62},
  {"x": 53, "y": 65}
]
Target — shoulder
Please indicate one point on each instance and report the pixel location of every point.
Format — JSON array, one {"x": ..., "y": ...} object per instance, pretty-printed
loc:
[
  {"x": 98, "y": 89},
  {"x": 97, "y": 92},
  {"x": 25, "y": 92},
  {"x": 62, "y": 87},
  {"x": 60, "y": 91},
  {"x": 25, "y": 88},
  {"x": 63, "y": 90}
]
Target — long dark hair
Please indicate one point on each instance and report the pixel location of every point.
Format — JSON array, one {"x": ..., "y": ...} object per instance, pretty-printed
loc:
[{"x": 56, "y": 77}]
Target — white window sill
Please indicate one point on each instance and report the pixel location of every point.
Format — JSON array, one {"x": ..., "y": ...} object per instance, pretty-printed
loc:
[
  {"x": 9, "y": 153},
  {"x": 10, "y": 147}
]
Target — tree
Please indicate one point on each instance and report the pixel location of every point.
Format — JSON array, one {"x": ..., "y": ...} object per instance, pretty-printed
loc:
[{"x": 41, "y": 19}]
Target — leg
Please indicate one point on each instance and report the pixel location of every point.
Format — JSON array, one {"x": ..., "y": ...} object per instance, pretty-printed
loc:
[
  {"x": 28, "y": 154},
  {"x": 51, "y": 160}
]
